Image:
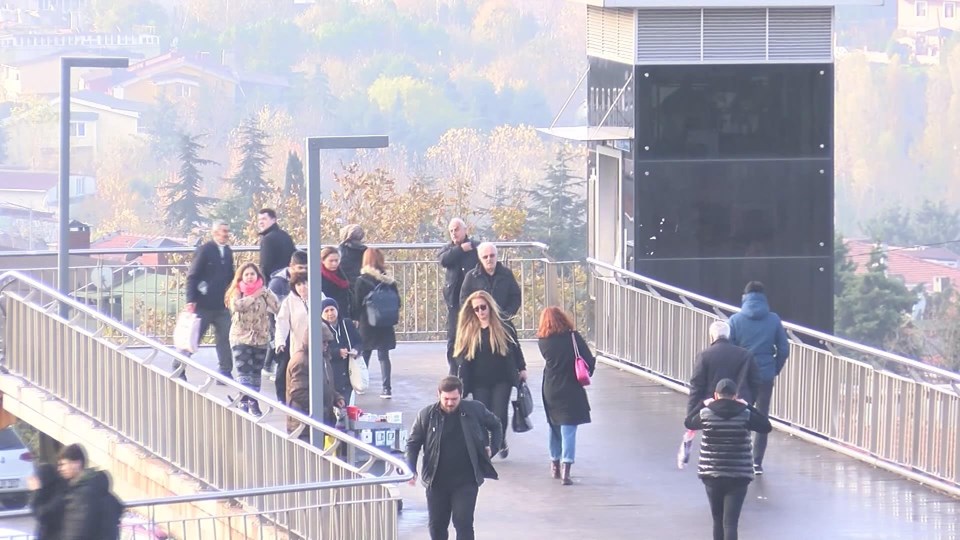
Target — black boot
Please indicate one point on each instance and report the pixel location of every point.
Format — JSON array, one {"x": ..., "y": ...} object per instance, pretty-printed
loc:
[{"x": 565, "y": 480}]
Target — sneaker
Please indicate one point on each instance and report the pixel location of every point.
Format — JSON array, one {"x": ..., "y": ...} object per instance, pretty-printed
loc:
[
  {"x": 504, "y": 451},
  {"x": 386, "y": 394},
  {"x": 358, "y": 392},
  {"x": 683, "y": 455},
  {"x": 758, "y": 470}
]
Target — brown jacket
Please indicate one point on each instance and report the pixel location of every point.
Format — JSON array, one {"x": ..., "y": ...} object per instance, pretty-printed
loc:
[
  {"x": 298, "y": 382},
  {"x": 251, "y": 318}
]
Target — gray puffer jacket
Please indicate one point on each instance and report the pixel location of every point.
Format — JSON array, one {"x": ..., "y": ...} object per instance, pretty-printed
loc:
[{"x": 726, "y": 450}]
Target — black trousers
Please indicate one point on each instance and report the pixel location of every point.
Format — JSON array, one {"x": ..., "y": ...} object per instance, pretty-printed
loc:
[
  {"x": 220, "y": 320},
  {"x": 497, "y": 400},
  {"x": 460, "y": 502},
  {"x": 764, "y": 395},
  {"x": 452, "y": 314},
  {"x": 726, "y": 496},
  {"x": 280, "y": 382}
]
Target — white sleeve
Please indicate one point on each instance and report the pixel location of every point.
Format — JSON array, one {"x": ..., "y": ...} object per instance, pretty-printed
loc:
[{"x": 283, "y": 322}]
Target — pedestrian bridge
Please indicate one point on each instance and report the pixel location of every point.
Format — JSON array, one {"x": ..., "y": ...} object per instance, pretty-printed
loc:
[{"x": 866, "y": 445}]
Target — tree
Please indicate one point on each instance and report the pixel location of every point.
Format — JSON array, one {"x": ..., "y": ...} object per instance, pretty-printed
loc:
[
  {"x": 557, "y": 212},
  {"x": 249, "y": 180},
  {"x": 872, "y": 306},
  {"x": 161, "y": 123},
  {"x": 932, "y": 223},
  {"x": 183, "y": 202},
  {"x": 293, "y": 179}
]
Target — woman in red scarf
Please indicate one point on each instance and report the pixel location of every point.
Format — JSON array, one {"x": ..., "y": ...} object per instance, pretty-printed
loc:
[
  {"x": 335, "y": 283},
  {"x": 251, "y": 305}
]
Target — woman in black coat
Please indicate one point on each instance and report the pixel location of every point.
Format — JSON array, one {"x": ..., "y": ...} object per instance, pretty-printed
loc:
[
  {"x": 352, "y": 249},
  {"x": 335, "y": 283},
  {"x": 47, "y": 501},
  {"x": 382, "y": 339},
  {"x": 564, "y": 398},
  {"x": 347, "y": 343}
]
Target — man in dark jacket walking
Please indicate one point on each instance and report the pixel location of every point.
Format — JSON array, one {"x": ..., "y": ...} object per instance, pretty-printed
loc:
[
  {"x": 90, "y": 511},
  {"x": 722, "y": 360},
  {"x": 760, "y": 331},
  {"x": 457, "y": 438},
  {"x": 276, "y": 246},
  {"x": 496, "y": 279},
  {"x": 457, "y": 258},
  {"x": 207, "y": 281}
]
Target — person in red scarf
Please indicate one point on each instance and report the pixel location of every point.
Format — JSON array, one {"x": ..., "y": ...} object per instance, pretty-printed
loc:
[
  {"x": 251, "y": 305},
  {"x": 335, "y": 283}
]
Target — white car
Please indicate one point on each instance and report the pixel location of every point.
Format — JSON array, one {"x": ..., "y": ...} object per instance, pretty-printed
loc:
[{"x": 16, "y": 465}]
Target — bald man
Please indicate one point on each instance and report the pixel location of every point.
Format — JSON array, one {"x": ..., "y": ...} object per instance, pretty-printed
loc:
[{"x": 457, "y": 258}]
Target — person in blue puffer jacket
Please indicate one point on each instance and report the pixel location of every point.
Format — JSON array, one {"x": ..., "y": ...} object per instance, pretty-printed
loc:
[{"x": 760, "y": 331}]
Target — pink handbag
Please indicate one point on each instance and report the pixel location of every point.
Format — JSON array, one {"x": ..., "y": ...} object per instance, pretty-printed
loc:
[{"x": 579, "y": 364}]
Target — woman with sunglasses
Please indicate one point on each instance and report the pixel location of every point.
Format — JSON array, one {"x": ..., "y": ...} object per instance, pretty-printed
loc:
[{"x": 488, "y": 354}]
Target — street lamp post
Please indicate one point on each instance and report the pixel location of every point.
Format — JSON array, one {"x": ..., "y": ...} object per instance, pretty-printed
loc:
[
  {"x": 314, "y": 245},
  {"x": 63, "y": 248}
]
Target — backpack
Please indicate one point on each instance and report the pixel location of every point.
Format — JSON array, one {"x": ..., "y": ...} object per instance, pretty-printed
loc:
[
  {"x": 111, "y": 513},
  {"x": 383, "y": 306}
]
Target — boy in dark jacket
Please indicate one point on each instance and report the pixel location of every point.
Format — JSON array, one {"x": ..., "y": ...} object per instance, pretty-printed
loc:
[
  {"x": 90, "y": 511},
  {"x": 726, "y": 463}
]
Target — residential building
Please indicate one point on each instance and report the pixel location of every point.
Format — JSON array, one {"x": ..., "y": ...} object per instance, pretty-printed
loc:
[
  {"x": 129, "y": 241},
  {"x": 925, "y": 25},
  {"x": 907, "y": 264},
  {"x": 23, "y": 45},
  {"x": 41, "y": 75},
  {"x": 37, "y": 190}
]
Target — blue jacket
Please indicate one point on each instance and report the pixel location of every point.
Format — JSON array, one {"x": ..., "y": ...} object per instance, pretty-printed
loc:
[{"x": 760, "y": 331}]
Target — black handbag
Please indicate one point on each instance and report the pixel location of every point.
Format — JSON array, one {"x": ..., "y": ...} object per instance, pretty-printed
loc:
[
  {"x": 521, "y": 424},
  {"x": 522, "y": 409}
]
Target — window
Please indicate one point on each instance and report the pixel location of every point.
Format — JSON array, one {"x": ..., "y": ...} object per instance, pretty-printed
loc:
[
  {"x": 78, "y": 187},
  {"x": 921, "y": 9},
  {"x": 184, "y": 90},
  {"x": 949, "y": 10},
  {"x": 78, "y": 129}
]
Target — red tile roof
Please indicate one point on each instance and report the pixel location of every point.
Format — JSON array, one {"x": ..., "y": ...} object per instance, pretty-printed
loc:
[{"x": 906, "y": 264}]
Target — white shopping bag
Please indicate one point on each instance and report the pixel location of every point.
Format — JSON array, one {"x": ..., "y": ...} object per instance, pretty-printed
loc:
[
  {"x": 186, "y": 335},
  {"x": 359, "y": 374}
]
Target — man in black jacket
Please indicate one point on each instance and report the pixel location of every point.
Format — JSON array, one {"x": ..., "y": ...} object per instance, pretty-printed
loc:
[
  {"x": 90, "y": 511},
  {"x": 209, "y": 277},
  {"x": 457, "y": 438},
  {"x": 276, "y": 246},
  {"x": 496, "y": 279},
  {"x": 723, "y": 360},
  {"x": 457, "y": 258}
]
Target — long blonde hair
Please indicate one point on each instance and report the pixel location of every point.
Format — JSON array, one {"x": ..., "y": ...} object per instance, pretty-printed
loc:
[{"x": 469, "y": 330}]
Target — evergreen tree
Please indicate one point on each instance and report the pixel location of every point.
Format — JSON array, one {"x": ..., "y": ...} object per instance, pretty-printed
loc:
[
  {"x": 294, "y": 183},
  {"x": 557, "y": 211},
  {"x": 872, "y": 306},
  {"x": 160, "y": 122},
  {"x": 248, "y": 182},
  {"x": 183, "y": 202}
]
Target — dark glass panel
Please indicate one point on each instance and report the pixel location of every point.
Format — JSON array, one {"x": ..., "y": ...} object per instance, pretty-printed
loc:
[
  {"x": 604, "y": 83},
  {"x": 724, "y": 111}
]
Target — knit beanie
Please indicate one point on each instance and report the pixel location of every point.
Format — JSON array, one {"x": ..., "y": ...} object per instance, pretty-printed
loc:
[{"x": 327, "y": 302}]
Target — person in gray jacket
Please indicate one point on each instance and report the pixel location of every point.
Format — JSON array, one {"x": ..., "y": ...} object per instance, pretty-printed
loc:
[
  {"x": 726, "y": 465},
  {"x": 759, "y": 330}
]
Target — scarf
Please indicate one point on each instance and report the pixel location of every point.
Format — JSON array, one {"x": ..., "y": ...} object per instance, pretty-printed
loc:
[
  {"x": 334, "y": 278},
  {"x": 249, "y": 289}
]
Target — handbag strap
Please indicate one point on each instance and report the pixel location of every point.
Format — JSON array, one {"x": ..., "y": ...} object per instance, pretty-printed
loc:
[{"x": 576, "y": 350}]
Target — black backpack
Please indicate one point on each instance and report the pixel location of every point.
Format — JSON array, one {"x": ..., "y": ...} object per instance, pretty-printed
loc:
[{"x": 383, "y": 306}]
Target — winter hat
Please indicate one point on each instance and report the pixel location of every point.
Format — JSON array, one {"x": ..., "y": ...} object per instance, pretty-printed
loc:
[
  {"x": 327, "y": 302},
  {"x": 352, "y": 232},
  {"x": 753, "y": 286}
]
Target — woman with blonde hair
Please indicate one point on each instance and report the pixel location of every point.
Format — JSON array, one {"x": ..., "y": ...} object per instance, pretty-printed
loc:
[
  {"x": 564, "y": 398},
  {"x": 251, "y": 305},
  {"x": 488, "y": 354}
]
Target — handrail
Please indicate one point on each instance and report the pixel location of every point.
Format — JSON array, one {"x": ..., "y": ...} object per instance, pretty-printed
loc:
[
  {"x": 247, "y": 249},
  {"x": 859, "y": 347},
  {"x": 373, "y": 451}
]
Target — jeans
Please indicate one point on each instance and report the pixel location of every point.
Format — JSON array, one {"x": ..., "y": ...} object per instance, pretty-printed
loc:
[
  {"x": 496, "y": 398},
  {"x": 220, "y": 320},
  {"x": 383, "y": 355},
  {"x": 452, "y": 315},
  {"x": 460, "y": 502},
  {"x": 563, "y": 443},
  {"x": 726, "y": 496},
  {"x": 764, "y": 394}
]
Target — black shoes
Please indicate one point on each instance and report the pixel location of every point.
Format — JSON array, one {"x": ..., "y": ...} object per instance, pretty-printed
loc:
[
  {"x": 757, "y": 470},
  {"x": 386, "y": 394}
]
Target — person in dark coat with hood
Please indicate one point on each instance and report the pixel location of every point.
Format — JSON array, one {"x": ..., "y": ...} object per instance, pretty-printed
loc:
[
  {"x": 457, "y": 258},
  {"x": 335, "y": 283},
  {"x": 352, "y": 249},
  {"x": 47, "y": 501},
  {"x": 760, "y": 331},
  {"x": 564, "y": 398},
  {"x": 725, "y": 466},
  {"x": 382, "y": 339},
  {"x": 90, "y": 511},
  {"x": 346, "y": 344}
]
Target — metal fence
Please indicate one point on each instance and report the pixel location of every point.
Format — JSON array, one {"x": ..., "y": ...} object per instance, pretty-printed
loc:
[
  {"x": 892, "y": 411},
  {"x": 147, "y": 295},
  {"x": 120, "y": 378}
]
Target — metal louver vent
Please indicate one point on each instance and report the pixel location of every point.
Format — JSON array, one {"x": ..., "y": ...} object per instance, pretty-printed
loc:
[
  {"x": 611, "y": 33},
  {"x": 668, "y": 35},
  {"x": 734, "y": 35},
  {"x": 801, "y": 34}
]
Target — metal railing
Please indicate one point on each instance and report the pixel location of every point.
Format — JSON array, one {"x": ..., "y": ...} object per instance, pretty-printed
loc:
[
  {"x": 894, "y": 412},
  {"x": 120, "y": 378},
  {"x": 148, "y": 296}
]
